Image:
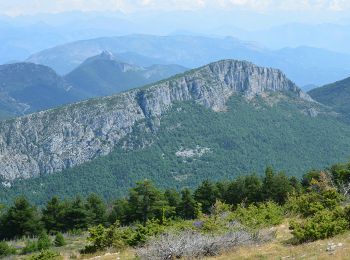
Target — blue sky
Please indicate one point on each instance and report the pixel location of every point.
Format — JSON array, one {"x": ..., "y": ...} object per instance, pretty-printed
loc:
[{"x": 20, "y": 7}]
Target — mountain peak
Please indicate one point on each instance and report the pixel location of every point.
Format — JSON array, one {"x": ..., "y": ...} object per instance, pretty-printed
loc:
[
  {"x": 249, "y": 79},
  {"x": 103, "y": 56},
  {"x": 77, "y": 133},
  {"x": 106, "y": 55}
]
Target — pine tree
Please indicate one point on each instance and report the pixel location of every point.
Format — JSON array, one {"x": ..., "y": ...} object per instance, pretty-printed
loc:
[
  {"x": 120, "y": 212},
  {"x": 187, "y": 208},
  {"x": 252, "y": 189},
  {"x": 75, "y": 215},
  {"x": 20, "y": 220},
  {"x": 206, "y": 194},
  {"x": 146, "y": 202},
  {"x": 173, "y": 197},
  {"x": 275, "y": 187},
  {"x": 236, "y": 192},
  {"x": 96, "y": 209},
  {"x": 52, "y": 215}
]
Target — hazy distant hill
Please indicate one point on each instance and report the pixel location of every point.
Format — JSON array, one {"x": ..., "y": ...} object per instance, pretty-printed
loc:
[
  {"x": 335, "y": 95},
  {"x": 104, "y": 74},
  {"x": 27, "y": 87},
  {"x": 304, "y": 65},
  {"x": 296, "y": 34}
]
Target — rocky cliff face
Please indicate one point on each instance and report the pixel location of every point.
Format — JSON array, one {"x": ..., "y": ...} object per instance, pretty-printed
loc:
[{"x": 53, "y": 140}]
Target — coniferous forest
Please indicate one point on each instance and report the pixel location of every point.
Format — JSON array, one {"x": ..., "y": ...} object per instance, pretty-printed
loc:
[{"x": 148, "y": 216}]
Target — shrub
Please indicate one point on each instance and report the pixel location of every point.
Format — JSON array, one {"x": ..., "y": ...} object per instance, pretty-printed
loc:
[
  {"x": 259, "y": 215},
  {"x": 118, "y": 237},
  {"x": 217, "y": 222},
  {"x": 141, "y": 233},
  {"x": 6, "y": 250},
  {"x": 190, "y": 244},
  {"x": 44, "y": 241},
  {"x": 309, "y": 204},
  {"x": 98, "y": 239},
  {"x": 101, "y": 238},
  {"x": 59, "y": 240},
  {"x": 323, "y": 224},
  {"x": 30, "y": 246},
  {"x": 46, "y": 255}
]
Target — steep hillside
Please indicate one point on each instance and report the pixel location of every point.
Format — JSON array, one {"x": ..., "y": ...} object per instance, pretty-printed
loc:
[
  {"x": 212, "y": 122},
  {"x": 104, "y": 75},
  {"x": 335, "y": 95},
  {"x": 304, "y": 65},
  {"x": 27, "y": 87}
]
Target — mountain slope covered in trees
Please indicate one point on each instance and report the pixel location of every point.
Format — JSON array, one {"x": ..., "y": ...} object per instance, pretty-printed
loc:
[
  {"x": 193, "y": 143},
  {"x": 335, "y": 95},
  {"x": 57, "y": 139}
]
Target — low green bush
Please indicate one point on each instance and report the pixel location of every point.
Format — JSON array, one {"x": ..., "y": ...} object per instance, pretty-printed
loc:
[
  {"x": 324, "y": 224},
  {"x": 44, "y": 241},
  {"x": 59, "y": 240},
  {"x": 6, "y": 249},
  {"x": 216, "y": 222},
  {"x": 30, "y": 247},
  {"x": 46, "y": 255},
  {"x": 259, "y": 215},
  {"x": 309, "y": 204},
  {"x": 119, "y": 237},
  {"x": 141, "y": 233}
]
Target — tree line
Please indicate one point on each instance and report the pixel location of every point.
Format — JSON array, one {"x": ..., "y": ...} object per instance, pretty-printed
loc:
[{"x": 145, "y": 202}]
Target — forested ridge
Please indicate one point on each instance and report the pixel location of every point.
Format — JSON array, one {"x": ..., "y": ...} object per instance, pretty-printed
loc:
[{"x": 221, "y": 146}]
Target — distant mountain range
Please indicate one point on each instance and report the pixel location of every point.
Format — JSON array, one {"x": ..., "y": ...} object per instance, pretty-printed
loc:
[
  {"x": 104, "y": 75},
  {"x": 304, "y": 65},
  {"x": 296, "y": 34},
  {"x": 28, "y": 87},
  {"x": 23, "y": 35}
]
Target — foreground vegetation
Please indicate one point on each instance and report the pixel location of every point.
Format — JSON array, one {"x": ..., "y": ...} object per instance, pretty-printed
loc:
[{"x": 161, "y": 224}]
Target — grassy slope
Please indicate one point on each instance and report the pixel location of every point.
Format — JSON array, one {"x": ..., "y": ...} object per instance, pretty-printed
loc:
[
  {"x": 280, "y": 248},
  {"x": 245, "y": 139}
]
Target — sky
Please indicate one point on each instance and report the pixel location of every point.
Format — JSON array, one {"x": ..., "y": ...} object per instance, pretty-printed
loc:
[{"x": 30, "y": 7}]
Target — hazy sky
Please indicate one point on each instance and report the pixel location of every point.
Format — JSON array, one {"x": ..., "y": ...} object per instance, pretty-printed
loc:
[{"x": 18, "y": 7}]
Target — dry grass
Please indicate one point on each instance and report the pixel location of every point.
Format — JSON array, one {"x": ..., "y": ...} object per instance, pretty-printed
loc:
[
  {"x": 125, "y": 255},
  {"x": 280, "y": 248}
]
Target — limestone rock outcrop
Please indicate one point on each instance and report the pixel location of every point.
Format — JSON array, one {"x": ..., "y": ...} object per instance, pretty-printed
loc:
[{"x": 52, "y": 140}]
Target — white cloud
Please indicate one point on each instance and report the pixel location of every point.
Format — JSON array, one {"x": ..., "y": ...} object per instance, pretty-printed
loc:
[
  {"x": 16, "y": 7},
  {"x": 339, "y": 5},
  {"x": 292, "y": 5}
]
